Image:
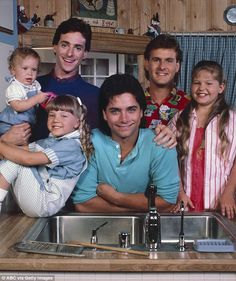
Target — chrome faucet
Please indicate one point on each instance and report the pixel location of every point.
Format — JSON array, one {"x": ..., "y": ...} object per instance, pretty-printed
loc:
[
  {"x": 94, "y": 238},
  {"x": 181, "y": 234},
  {"x": 152, "y": 223}
]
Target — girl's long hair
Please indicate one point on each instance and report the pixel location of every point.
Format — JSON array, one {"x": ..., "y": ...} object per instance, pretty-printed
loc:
[
  {"x": 71, "y": 104},
  {"x": 219, "y": 109}
]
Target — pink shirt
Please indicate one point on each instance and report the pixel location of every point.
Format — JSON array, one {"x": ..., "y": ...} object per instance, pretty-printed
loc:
[{"x": 217, "y": 169}]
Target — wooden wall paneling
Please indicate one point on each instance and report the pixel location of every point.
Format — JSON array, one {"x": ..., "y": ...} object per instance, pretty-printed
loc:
[
  {"x": 161, "y": 9},
  {"x": 142, "y": 18},
  {"x": 123, "y": 13},
  {"x": 198, "y": 19},
  {"x": 175, "y": 15},
  {"x": 41, "y": 9},
  {"x": 63, "y": 10},
  {"x": 147, "y": 10},
  {"x": 216, "y": 15},
  {"x": 135, "y": 15},
  {"x": 176, "y": 19},
  {"x": 44, "y": 7}
]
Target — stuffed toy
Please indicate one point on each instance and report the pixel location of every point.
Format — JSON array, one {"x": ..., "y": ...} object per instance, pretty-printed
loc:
[{"x": 154, "y": 28}]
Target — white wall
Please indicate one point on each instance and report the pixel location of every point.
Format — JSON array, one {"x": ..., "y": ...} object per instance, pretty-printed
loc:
[
  {"x": 6, "y": 14},
  {"x": 5, "y": 50},
  {"x": 8, "y": 11}
]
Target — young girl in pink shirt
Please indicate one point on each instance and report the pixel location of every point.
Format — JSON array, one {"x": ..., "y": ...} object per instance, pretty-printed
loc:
[{"x": 206, "y": 137}]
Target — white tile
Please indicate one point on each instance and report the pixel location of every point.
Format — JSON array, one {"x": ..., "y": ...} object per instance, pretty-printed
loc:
[
  {"x": 134, "y": 276},
  {"x": 158, "y": 276},
  {"x": 103, "y": 276},
  {"x": 228, "y": 277}
]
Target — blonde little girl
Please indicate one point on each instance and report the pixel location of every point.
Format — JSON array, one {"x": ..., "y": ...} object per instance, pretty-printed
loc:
[{"x": 44, "y": 176}]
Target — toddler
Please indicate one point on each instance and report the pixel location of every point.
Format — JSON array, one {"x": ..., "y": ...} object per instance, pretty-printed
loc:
[{"x": 23, "y": 93}]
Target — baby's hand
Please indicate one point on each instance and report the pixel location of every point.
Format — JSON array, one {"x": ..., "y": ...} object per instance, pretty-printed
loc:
[
  {"x": 49, "y": 97},
  {"x": 42, "y": 97}
]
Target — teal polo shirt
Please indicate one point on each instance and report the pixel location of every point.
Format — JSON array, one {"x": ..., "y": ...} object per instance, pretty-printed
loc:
[{"x": 147, "y": 163}]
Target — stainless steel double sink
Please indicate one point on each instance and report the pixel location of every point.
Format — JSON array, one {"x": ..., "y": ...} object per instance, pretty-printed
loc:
[{"x": 63, "y": 228}]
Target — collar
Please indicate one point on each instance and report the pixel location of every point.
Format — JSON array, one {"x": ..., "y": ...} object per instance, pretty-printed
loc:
[
  {"x": 172, "y": 93},
  {"x": 171, "y": 96},
  {"x": 62, "y": 80},
  {"x": 116, "y": 145},
  {"x": 72, "y": 135},
  {"x": 194, "y": 114},
  {"x": 27, "y": 87}
]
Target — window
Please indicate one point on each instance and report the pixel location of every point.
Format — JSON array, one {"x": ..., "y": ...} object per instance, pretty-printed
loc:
[{"x": 98, "y": 66}]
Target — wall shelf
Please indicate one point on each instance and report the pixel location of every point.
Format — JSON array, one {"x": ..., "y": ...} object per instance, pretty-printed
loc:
[{"x": 101, "y": 41}]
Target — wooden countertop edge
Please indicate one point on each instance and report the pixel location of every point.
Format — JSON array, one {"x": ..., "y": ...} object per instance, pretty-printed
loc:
[
  {"x": 13, "y": 229},
  {"x": 116, "y": 265}
]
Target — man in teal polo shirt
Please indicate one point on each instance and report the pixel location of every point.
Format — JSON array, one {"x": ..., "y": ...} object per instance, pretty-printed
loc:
[{"x": 126, "y": 159}]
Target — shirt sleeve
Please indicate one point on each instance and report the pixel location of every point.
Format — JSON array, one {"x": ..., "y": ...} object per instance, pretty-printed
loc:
[
  {"x": 63, "y": 152},
  {"x": 14, "y": 92},
  {"x": 86, "y": 187},
  {"x": 66, "y": 157},
  {"x": 165, "y": 173},
  {"x": 32, "y": 146}
]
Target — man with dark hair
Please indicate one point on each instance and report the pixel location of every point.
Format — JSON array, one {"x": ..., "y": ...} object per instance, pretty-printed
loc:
[
  {"x": 126, "y": 159},
  {"x": 71, "y": 44},
  {"x": 162, "y": 63}
]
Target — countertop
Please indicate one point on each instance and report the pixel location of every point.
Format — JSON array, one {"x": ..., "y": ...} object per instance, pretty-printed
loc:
[{"x": 14, "y": 227}]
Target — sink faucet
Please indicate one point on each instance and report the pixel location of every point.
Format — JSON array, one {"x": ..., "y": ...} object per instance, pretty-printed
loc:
[
  {"x": 94, "y": 238},
  {"x": 181, "y": 234},
  {"x": 153, "y": 223}
]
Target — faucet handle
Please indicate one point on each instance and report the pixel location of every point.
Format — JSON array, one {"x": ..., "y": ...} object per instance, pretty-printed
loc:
[
  {"x": 150, "y": 193},
  {"x": 153, "y": 230},
  {"x": 94, "y": 238},
  {"x": 181, "y": 234}
]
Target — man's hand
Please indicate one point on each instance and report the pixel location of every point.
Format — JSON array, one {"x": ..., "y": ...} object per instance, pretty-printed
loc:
[
  {"x": 164, "y": 136},
  {"x": 18, "y": 134},
  {"x": 107, "y": 192}
]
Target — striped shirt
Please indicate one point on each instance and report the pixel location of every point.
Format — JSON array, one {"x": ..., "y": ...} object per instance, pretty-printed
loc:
[{"x": 217, "y": 168}]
